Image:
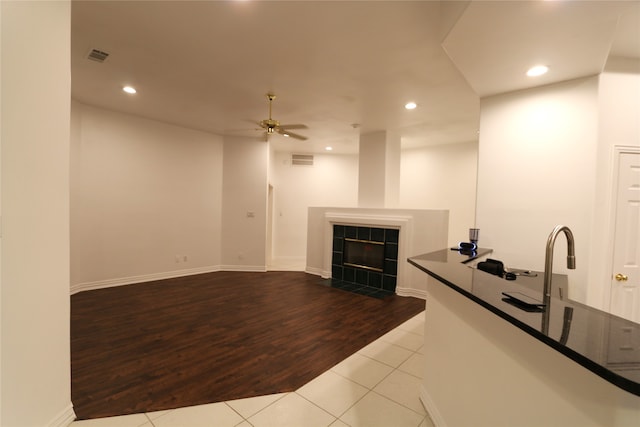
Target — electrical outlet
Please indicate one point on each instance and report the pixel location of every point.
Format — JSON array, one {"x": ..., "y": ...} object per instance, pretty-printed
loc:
[{"x": 184, "y": 258}]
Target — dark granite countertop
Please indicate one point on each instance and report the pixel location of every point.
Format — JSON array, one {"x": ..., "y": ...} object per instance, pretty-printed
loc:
[{"x": 605, "y": 344}]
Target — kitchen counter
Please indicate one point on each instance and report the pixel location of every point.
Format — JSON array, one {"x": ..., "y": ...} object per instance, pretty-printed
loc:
[{"x": 606, "y": 345}]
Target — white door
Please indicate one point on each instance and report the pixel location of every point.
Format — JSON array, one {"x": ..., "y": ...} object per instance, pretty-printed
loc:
[{"x": 625, "y": 281}]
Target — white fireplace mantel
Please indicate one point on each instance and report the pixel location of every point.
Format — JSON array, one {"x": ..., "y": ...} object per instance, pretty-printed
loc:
[{"x": 420, "y": 231}]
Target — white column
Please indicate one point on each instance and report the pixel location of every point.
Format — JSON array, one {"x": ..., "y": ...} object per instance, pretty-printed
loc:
[
  {"x": 392, "y": 170},
  {"x": 379, "y": 170}
]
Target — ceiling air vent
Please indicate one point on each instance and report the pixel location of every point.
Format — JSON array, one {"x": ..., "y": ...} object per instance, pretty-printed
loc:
[
  {"x": 97, "y": 55},
  {"x": 302, "y": 159}
]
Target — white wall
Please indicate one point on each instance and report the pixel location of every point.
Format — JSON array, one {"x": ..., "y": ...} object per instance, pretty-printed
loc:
[
  {"x": 500, "y": 373},
  {"x": 244, "y": 204},
  {"x": 618, "y": 125},
  {"x": 331, "y": 181},
  {"x": 143, "y": 193},
  {"x": 36, "y": 84},
  {"x": 430, "y": 178},
  {"x": 442, "y": 177},
  {"x": 537, "y": 169}
]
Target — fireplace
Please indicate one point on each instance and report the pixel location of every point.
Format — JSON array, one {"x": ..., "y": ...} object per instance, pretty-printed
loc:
[
  {"x": 365, "y": 259},
  {"x": 416, "y": 231}
]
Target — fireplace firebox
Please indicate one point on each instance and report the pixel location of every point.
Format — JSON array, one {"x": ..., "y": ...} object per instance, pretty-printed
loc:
[
  {"x": 365, "y": 259},
  {"x": 364, "y": 254}
]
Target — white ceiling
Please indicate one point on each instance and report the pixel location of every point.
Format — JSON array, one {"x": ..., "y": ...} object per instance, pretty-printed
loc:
[
  {"x": 333, "y": 64},
  {"x": 572, "y": 38}
]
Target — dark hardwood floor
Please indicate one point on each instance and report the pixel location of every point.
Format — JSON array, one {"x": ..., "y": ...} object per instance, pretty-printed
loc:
[{"x": 215, "y": 337}]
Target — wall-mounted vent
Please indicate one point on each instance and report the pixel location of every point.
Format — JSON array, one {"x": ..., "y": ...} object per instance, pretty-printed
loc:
[
  {"x": 97, "y": 55},
  {"x": 302, "y": 159}
]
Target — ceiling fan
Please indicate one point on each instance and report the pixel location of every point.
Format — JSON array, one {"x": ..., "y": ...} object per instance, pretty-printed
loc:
[{"x": 273, "y": 126}]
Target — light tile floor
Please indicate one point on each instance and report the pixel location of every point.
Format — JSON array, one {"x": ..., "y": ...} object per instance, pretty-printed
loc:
[{"x": 377, "y": 386}]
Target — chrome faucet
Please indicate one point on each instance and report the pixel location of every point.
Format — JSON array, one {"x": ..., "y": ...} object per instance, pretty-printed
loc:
[
  {"x": 548, "y": 270},
  {"x": 548, "y": 260}
]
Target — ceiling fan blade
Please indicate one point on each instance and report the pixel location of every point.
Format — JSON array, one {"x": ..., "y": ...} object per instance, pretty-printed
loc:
[
  {"x": 298, "y": 126},
  {"x": 291, "y": 135}
]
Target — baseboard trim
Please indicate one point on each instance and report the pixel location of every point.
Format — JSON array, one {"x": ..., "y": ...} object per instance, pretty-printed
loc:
[
  {"x": 431, "y": 408},
  {"x": 317, "y": 272},
  {"x": 110, "y": 283},
  {"x": 248, "y": 268},
  {"x": 283, "y": 268},
  {"x": 64, "y": 418},
  {"x": 409, "y": 292}
]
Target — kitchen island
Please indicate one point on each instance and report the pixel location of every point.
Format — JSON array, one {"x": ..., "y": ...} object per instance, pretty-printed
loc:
[{"x": 492, "y": 361}]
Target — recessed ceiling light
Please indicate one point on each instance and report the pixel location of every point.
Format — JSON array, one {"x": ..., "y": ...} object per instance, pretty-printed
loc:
[
  {"x": 410, "y": 105},
  {"x": 328, "y": 148},
  {"x": 538, "y": 70},
  {"x": 285, "y": 135},
  {"x": 129, "y": 89}
]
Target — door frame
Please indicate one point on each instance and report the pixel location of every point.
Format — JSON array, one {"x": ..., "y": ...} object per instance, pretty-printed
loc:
[
  {"x": 269, "y": 237},
  {"x": 611, "y": 232}
]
